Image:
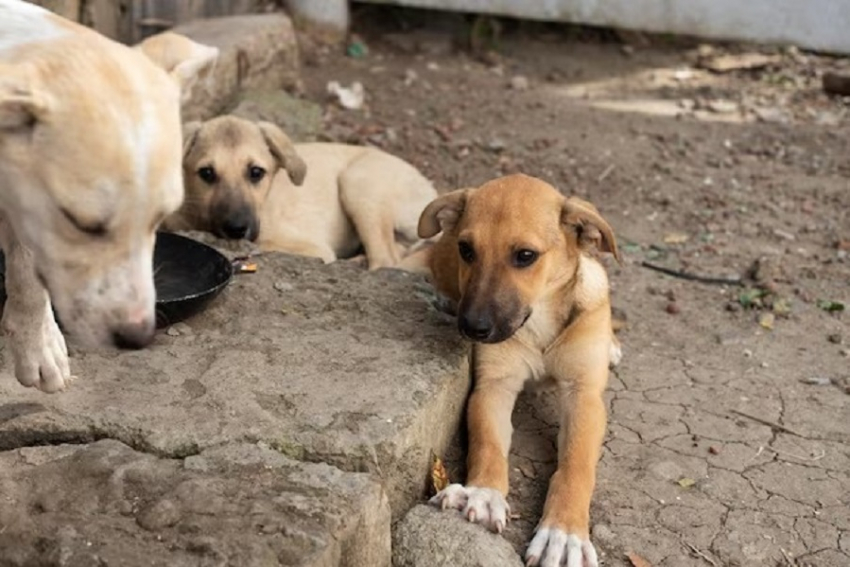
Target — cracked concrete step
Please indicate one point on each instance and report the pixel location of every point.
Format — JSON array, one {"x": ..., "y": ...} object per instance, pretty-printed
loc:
[
  {"x": 106, "y": 504},
  {"x": 428, "y": 537},
  {"x": 258, "y": 51},
  {"x": 323, "y": 363}
]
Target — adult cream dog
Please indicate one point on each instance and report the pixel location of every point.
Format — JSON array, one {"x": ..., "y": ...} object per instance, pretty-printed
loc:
[
  {"x": 89, "y": 166},
  {"x": 514, "y": 257},
  {"x": 248, "y": 180}
]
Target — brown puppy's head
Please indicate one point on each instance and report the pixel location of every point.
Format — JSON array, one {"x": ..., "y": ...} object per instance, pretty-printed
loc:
[
  {"x": 228, "y": 167},
  {"x": 517, "y": 239}
]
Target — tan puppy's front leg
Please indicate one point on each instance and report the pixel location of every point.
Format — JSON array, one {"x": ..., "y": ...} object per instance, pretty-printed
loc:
[
  {"x": 498, "y": 381},
  {"x": 34, "y": 338},
  {"x": 579, "y": 362}
]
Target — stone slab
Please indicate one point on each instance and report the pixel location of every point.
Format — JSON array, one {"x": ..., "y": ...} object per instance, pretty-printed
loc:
[
  {"x": 428, "y": 537},
  {"x": 323, "y": 363},
  {"x": 105, "y": 504},
  {"x": 257, "y": 51}
]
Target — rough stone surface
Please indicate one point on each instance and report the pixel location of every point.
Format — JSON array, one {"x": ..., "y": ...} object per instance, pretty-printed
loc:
[
  {"x": 428, "y": 537},
  {"x": 301, "y": 119},
  {"x": 322, "y": 363},
  {"x": 258, "y": 51},
  {"x": 106, "y": 504}
]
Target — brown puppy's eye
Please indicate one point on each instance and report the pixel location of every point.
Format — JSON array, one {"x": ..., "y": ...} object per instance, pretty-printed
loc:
[
  {"x": 467, "y": 253},
  {"x": 208, "y": 175},
  {"x": 524, "y": 258},
  {"x": 256, "y": 173}
]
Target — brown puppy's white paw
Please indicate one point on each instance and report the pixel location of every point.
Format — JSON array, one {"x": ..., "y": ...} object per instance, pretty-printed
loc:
[
  {"x": 485, "y": 506},
  {"x": 615, "y": 353},
  {"x": 552, "y": 547},
  {"x": 39, "y": 351}
]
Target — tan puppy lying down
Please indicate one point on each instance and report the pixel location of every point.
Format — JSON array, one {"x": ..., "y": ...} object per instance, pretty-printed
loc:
[
  {"x": 248, "y": 180},
  {"x": 536, "y": 304},
  {"x": 89, "y": 166}
]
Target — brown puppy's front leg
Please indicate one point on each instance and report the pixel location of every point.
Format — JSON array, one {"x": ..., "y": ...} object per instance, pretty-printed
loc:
[
  {"x": 579, "y": 362},
  {"x": 498, "y": 381}
]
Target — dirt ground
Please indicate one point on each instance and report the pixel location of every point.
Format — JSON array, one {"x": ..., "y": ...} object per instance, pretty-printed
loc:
[{"x": 729, "y": 434}]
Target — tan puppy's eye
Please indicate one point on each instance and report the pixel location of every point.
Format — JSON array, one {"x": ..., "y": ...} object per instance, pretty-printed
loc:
[
  {"x": 208, "y": 175},
  {"x": 524, "y": 258},
  {"x": 256, "y": 173},
  {"x": 467, "y": 253}
]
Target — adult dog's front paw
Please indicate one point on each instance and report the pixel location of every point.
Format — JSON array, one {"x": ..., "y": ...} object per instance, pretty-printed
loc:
[
  {"x": 485, "y": 506},
  {"x": 39, "y": 351},
  {"x": 552, "y": 547}
]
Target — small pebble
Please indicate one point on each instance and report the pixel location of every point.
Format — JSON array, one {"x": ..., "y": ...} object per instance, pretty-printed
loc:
[
  {"x": 835, "y": 338},
  {"x": 713, "y": 450},
  {"x": 519, "y": 83},
  {"x": 673, "y": 308}
]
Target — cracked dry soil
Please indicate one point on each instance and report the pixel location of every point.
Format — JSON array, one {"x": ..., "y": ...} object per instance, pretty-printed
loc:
[{"x": 729, "y": 437}]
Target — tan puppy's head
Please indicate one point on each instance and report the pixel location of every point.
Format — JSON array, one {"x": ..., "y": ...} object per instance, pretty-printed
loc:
[
  {"x": 228, "y": 165},
  {"x": 89, "y": 167},
  {"x": 516, "y": 239}
]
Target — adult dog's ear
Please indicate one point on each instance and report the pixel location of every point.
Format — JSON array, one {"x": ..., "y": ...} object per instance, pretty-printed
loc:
[
  {"x": 180, "y": 57},
  {"x": 21, "y": 102},
  {"x": 190, "y": 136},
  {"x": 284, "y": 152},
  {"x": 583, "y": 218},
  {"x": 442, "y": 213}
]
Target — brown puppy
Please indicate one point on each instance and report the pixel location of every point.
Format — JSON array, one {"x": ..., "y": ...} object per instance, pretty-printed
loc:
[
  {"x": 536, "y": 304},
  {"x": 248, "y": 180}
]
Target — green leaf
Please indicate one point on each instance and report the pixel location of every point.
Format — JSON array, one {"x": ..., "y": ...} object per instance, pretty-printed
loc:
[{"x": 830, "y": 306}]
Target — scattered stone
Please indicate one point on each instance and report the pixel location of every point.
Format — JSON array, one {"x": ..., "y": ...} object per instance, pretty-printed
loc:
[
  {"x": 350, "y": 98},
  {"x": 766, "y": 320},
  {"x": 835, "y": 338},
  {"x": 713, "y": 450},
  {"x": 784, "y": 234},
  {"x": 722, "y": 106},
  {"x": 673, "y": 308},
  {"x": 744, "y": 61},
  {"x": 429, "y": 537},
  {"x": 283, "y": 286},
  {"x": 497, "y": 145},
  {"x": 836, "y": 83},
  {"x": 816, "y": 381},
  {"x": 519, "y": 83},
  {"x": 161, "y": 514}
]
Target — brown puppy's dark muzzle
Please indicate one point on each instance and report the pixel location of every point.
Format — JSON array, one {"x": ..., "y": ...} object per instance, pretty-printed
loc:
[{"x": 491, "y": 322}]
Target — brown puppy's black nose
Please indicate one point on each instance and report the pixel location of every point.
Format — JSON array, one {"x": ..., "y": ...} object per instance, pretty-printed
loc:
[
  {"x": 236, "y": 228},
  {"x": 133, "y": 335},
  {"x": 475, "y": 327}
]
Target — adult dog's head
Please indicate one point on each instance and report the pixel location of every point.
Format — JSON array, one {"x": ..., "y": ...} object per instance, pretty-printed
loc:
[
  {"x": 229, "y": 165},
  {"x": 506, "y": 246},
  {"x": 89, "y": 166}
]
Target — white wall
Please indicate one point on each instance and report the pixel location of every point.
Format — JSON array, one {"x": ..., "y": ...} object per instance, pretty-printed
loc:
[{"x": 814, "y": 24}]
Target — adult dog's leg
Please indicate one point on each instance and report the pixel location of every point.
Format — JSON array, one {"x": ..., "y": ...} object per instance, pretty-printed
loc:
[
  {"x": 32, "y": 335},
  {"x": 579, "y": 362},
  {"x": 498, "y": 381}
]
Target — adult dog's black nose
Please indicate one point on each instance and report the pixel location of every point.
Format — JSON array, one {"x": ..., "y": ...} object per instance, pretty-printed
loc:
[
  {"x": 133, "y": 335},
  {"x": 236, "y": 228},
  {"x": 475, "y": 327}
]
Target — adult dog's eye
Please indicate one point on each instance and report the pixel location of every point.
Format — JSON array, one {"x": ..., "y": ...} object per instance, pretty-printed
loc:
[
  {"x": 256, "y": 173},
  {"x": 208, "y": 175},
  {"x": 524, "y": 258},
  {"x": 467, "y": 253},
  {"x": 92, "y": 229}
]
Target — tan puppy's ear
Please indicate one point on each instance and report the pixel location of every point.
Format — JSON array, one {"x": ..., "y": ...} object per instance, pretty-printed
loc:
[
  {"x": 21, "y": 104},
  {"x": 284, "y": 152},
  {"x": 442, "y": 213},
  {"x": 190, "y": 136},
  {"x": 179, "y": 56},
  {"x": 583, "y": 217}
]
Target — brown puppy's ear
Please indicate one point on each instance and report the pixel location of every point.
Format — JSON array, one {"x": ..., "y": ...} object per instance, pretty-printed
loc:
[
  {"x": 21, "y": 104},
  {"x": 284, "y": 152},
  {"x": 442, "y": 213},
  {"x": 190, "y": 136},
  {"x": 583, "y": 217}
]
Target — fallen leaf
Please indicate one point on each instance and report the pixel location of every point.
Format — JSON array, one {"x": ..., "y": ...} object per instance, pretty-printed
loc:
[
  {"x": 782, "y": 307},
  {"x": 766, "y": 320},
  {"x": 439, "y": 476},
  {"x": 676, "y": 238},
  {"x": 751, "y": 297},
  {"x": 830, "y": 306},
  {"x": 527, "y": 470},
  {"x": 686, "y": 482},
  {"x": 637, "y": 561}
]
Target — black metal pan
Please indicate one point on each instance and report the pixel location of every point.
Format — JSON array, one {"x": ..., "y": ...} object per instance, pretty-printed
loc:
[{"x": 187, "y": 275}]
